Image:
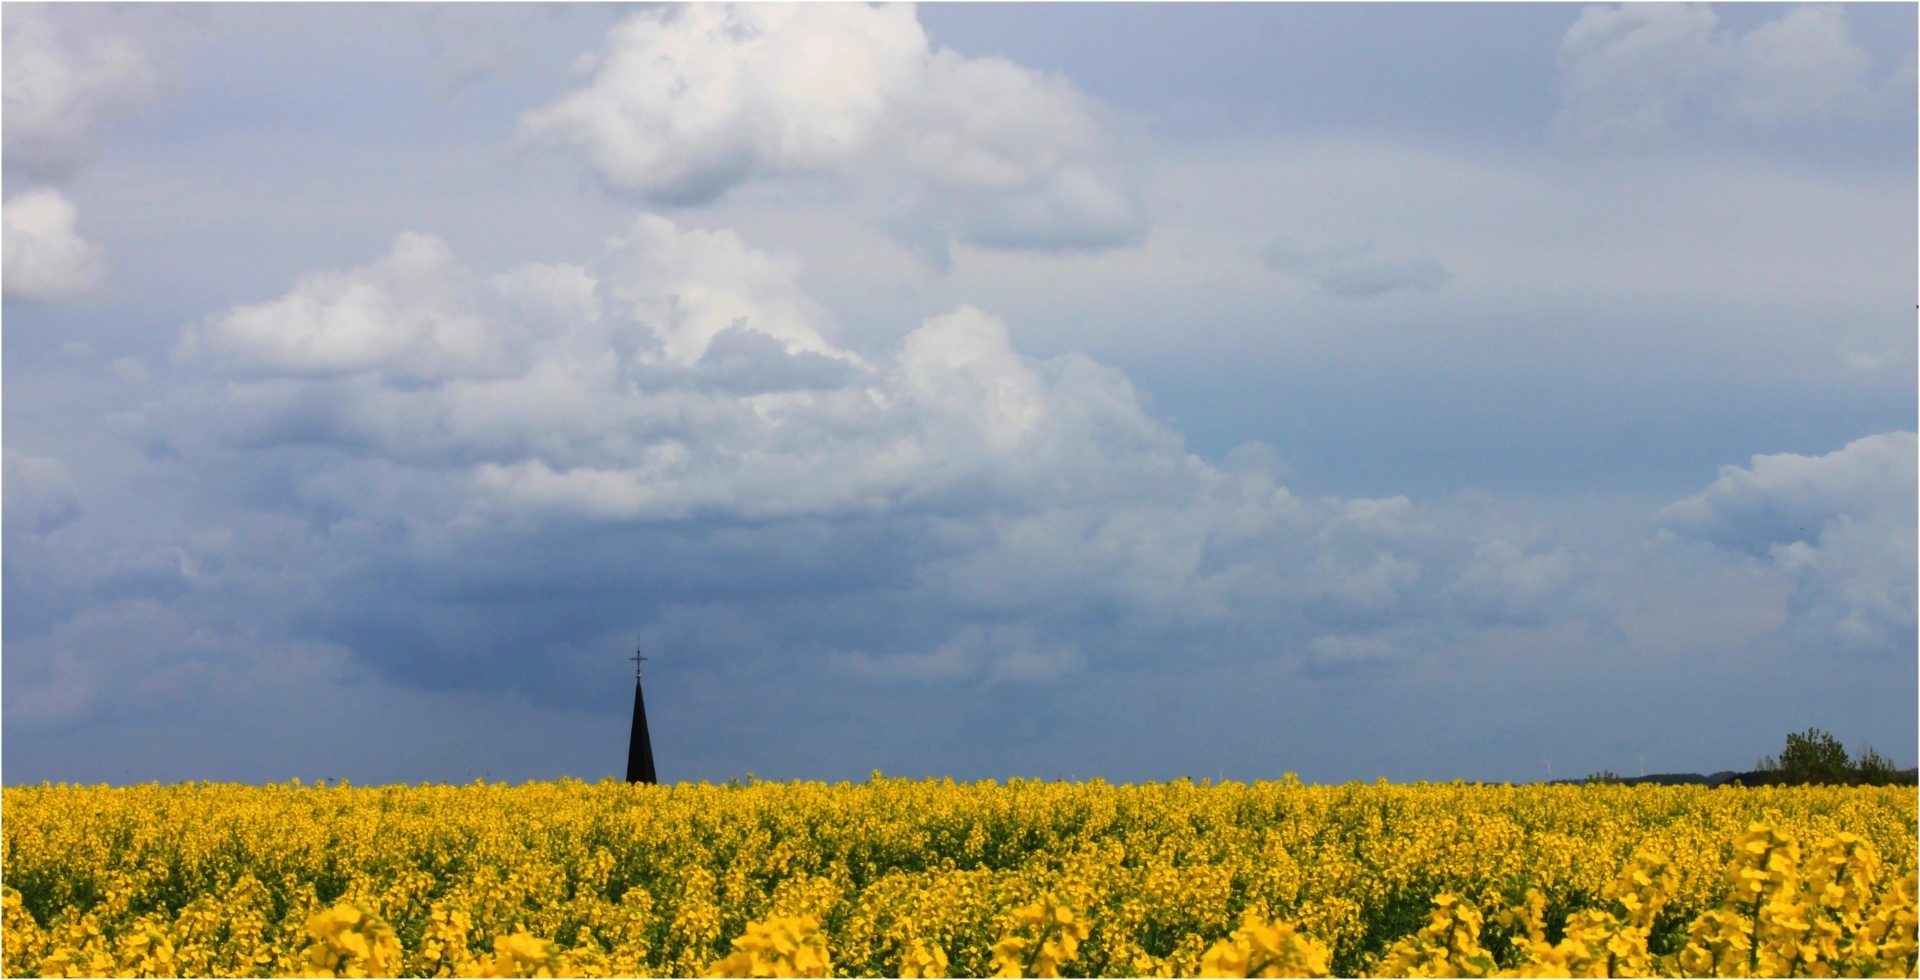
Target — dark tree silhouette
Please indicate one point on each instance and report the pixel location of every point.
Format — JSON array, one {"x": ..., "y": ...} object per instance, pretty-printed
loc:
[{"x": 1815, "y": 757}]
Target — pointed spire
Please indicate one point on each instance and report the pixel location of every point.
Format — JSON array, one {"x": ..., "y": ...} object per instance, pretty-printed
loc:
[{"x": 639, "y": 745}]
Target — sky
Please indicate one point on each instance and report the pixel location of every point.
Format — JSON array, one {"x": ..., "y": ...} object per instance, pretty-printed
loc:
[{"x": 1421, "y": 392}]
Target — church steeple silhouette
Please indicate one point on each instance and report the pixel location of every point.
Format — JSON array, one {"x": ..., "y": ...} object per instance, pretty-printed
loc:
[{"x": 639, "y": 746}]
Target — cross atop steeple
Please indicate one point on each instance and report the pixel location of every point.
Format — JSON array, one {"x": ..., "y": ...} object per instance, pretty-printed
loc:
[{"x": 637, "y": 659}]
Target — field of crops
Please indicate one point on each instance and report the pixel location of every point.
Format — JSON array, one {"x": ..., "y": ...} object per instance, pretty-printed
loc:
[{"x": 903, "y": 878}]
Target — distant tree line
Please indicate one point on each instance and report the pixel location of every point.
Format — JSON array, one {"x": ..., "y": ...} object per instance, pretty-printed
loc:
[
  {"x": 1815, "y": 758},
  {"x": 1811, "y": 758}
]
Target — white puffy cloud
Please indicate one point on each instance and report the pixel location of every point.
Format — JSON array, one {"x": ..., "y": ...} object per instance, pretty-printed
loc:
[
  {"x": 687, "y": 287},
  {"x": 58, "y": 91},
  {"x": 1786, "y": 497},
  {"x": 1842, "y": 524},
  {"x": 411, "y": 314},
  {"x": 59, "y": 87},
  {"x": 45, "y": 259},
  {"x": 1632, "y": 72},
  {"x": 689, "y": 102},
  {"x": 682, "y": 371}
]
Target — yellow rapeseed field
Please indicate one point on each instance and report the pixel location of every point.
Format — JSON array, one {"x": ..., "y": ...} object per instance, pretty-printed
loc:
[{"x": 935, "y": 878}]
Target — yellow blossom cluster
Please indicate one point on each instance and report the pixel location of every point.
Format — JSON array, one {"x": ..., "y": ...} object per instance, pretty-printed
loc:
[
  {"x": 790, "y": 946},
  {"x": 1045, "y": 935},
  {"x": 1836, "y": 918},
  {"x": 1263, "y": 949},
  {"x": 935, "y": 878}
]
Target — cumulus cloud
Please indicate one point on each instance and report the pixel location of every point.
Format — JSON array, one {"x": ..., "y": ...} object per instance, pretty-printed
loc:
[
  {"x": 684, "y": 288},
  {"x": 1842, "y": 524},
  {"x": 45, "y": 259},
  {"x": 674, "y": 419},
  {"x": 683, "y": 371},
  {"x": 59, "y": 87},
  {"x": 690, "y": 102},
  {"x": 58, "y": 90},
  {"x": 1787, "y": 498},
  {"x": 1359, "y": 271},
  {"x": 409, "y": 315},
  {"x": 1632, "y": 73}
]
